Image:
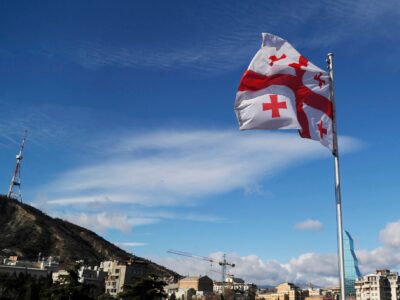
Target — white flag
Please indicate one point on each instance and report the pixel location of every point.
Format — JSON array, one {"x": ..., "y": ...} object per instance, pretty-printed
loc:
[{"x": 281, "y": 89}]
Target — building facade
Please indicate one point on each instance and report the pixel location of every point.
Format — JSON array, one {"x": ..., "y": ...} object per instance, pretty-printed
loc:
[
  {"x": 284, "y": 291},
  {"x": 120, "y": 274},
  {"x": 351, "y": 270},
  {"x": 201, "y": 284},
  {"x": 374, "y": 287},
  {"x": 394, "y": 281}
]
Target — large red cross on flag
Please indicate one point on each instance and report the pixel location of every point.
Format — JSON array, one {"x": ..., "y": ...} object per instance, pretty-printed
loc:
[{"x": 281, "y": 89}]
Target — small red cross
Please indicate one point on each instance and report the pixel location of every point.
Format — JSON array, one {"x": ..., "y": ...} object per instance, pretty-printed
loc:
[
  {"x": 321, "y": 82},
  {"x": 274, "y": 58},
  {"x": 275, "y": 106},
  {"x": 321, "y": 130}
]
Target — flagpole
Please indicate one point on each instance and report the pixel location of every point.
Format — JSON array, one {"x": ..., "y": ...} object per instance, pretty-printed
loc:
[{"x": 329, "y": 60}]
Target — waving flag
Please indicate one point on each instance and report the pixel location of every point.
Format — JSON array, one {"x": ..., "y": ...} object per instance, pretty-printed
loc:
[{"x": 281, "y": 89}]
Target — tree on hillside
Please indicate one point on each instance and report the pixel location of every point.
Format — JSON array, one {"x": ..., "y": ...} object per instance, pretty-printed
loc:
[
  {"x": 105, "y": 296},
  {"x": 68, "y": 288},
  {"x": 23, "y": 286},
  {"x": 172, "y": 297},
  {"x": 147, "y": 288}
]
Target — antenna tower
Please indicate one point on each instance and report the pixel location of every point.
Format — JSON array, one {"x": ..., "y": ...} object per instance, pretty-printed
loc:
[{"x": 14, "y": 191}]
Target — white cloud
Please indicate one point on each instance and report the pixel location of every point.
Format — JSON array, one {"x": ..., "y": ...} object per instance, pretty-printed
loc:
[
  {"x": 390, "y": 235},
  {"x": 103, "y": 221},
  {"x": 120, "y": 220},
  {"x": 172, "y": 167},
  {"x": 309, "y": 225},
  {"x": 385, "y": 256},
  {"x": 319, "y": 268}
]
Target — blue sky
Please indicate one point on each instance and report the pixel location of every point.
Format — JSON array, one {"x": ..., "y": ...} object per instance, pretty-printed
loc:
[{"x": 132, "y": 133}]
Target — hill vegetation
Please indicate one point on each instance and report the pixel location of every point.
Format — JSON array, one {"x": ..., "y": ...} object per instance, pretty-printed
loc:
[{"x": 27, "y": 231}]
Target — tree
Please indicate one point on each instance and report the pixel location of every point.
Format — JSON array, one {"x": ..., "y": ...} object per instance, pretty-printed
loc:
[
  {"x": 147, "y": 288},
  {"x": 173, "y": 296},
  {"x": 105, "y": 296},
  {"x": 24, "y": 286},
  {"x": 68, "y": 288}
]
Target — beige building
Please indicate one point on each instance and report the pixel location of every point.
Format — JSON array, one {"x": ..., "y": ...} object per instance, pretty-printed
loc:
[
  {"x": 374, "y": 286},
  {"x": 284, "y": 291},
  {"x": 120, "y": 274},
  {"x": 201, "y": 284}
]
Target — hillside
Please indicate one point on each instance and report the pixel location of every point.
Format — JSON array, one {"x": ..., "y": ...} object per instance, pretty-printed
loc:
[{"x": 27, "y": 231}]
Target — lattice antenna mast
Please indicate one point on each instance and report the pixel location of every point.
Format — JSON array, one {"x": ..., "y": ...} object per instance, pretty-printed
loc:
[{"x": 14, "y": 191}]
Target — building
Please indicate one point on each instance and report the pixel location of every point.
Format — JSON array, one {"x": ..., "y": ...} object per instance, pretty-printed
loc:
[
  {"x": 16, "y": 270},
  {"x": 237, "y": 285},
  {"x": 13, "y": 266},
  {"x": 185, "y": 294},
  {"x": 331, "y": 291},
  {"x": 374, "y": 286},
  {"x": 394, "y": 281},
  {"x": 320, "y": 297},
  {"x": 59, "y": 275},
  {"x": 120, "y": 274},
  {"x": 200, "y": 284},
  {"x": 284, "y": 291},
  {"x": 312, "y": 291},
  {"x": 351, "y": 271},
  {"x": 171, "y": 288},
  {"x": 91, "y": 275}
]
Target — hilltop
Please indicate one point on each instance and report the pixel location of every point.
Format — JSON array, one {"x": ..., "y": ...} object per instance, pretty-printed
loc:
[{"x": 27, "y": 231}]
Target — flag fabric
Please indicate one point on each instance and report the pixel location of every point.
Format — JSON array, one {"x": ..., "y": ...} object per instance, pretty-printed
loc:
[{"x": 281, "y": 89}]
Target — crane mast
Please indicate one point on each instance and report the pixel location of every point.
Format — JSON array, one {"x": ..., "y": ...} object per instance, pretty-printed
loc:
[{"x": 14, "y": 191}]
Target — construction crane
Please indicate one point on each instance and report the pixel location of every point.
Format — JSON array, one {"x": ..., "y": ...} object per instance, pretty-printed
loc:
[
  {"x": 222, "y": 263},
  {"x": 14, "y": 191}
]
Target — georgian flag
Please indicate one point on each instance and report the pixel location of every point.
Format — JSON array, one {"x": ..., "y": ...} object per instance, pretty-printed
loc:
[{"x": 281, "y": 89}]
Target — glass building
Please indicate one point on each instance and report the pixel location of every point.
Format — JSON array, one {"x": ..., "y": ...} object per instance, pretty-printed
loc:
[{"x": 352, "y": 273}]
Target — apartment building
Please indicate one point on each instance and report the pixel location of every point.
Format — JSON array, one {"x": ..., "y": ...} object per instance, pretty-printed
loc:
[{"x": 374, "y": 286}]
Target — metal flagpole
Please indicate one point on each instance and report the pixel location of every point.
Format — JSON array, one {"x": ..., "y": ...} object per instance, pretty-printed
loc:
[{"x": 329, "y": 60}]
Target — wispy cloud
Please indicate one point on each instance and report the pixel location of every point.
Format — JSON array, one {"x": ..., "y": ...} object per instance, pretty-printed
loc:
[
  {"x": 309, "y": 225},
  {"x": 310, "y": 25},
  {"x": 143, "y": 177},
  {"x": 217, "y": 58},
  {"x": 123, "y": 218},
  {"x": 179, "y": 167},
  {"x": 46, "y": 124},
  {"x": 103, "y": 221}
]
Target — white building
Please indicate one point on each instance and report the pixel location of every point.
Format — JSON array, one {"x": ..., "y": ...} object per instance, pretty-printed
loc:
[
  {"x": 86, "y": 274},
  {"x": 394, "y": 281},
  {"x": 59, "y": 275},
  {"x": 375, "y": 286}
]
